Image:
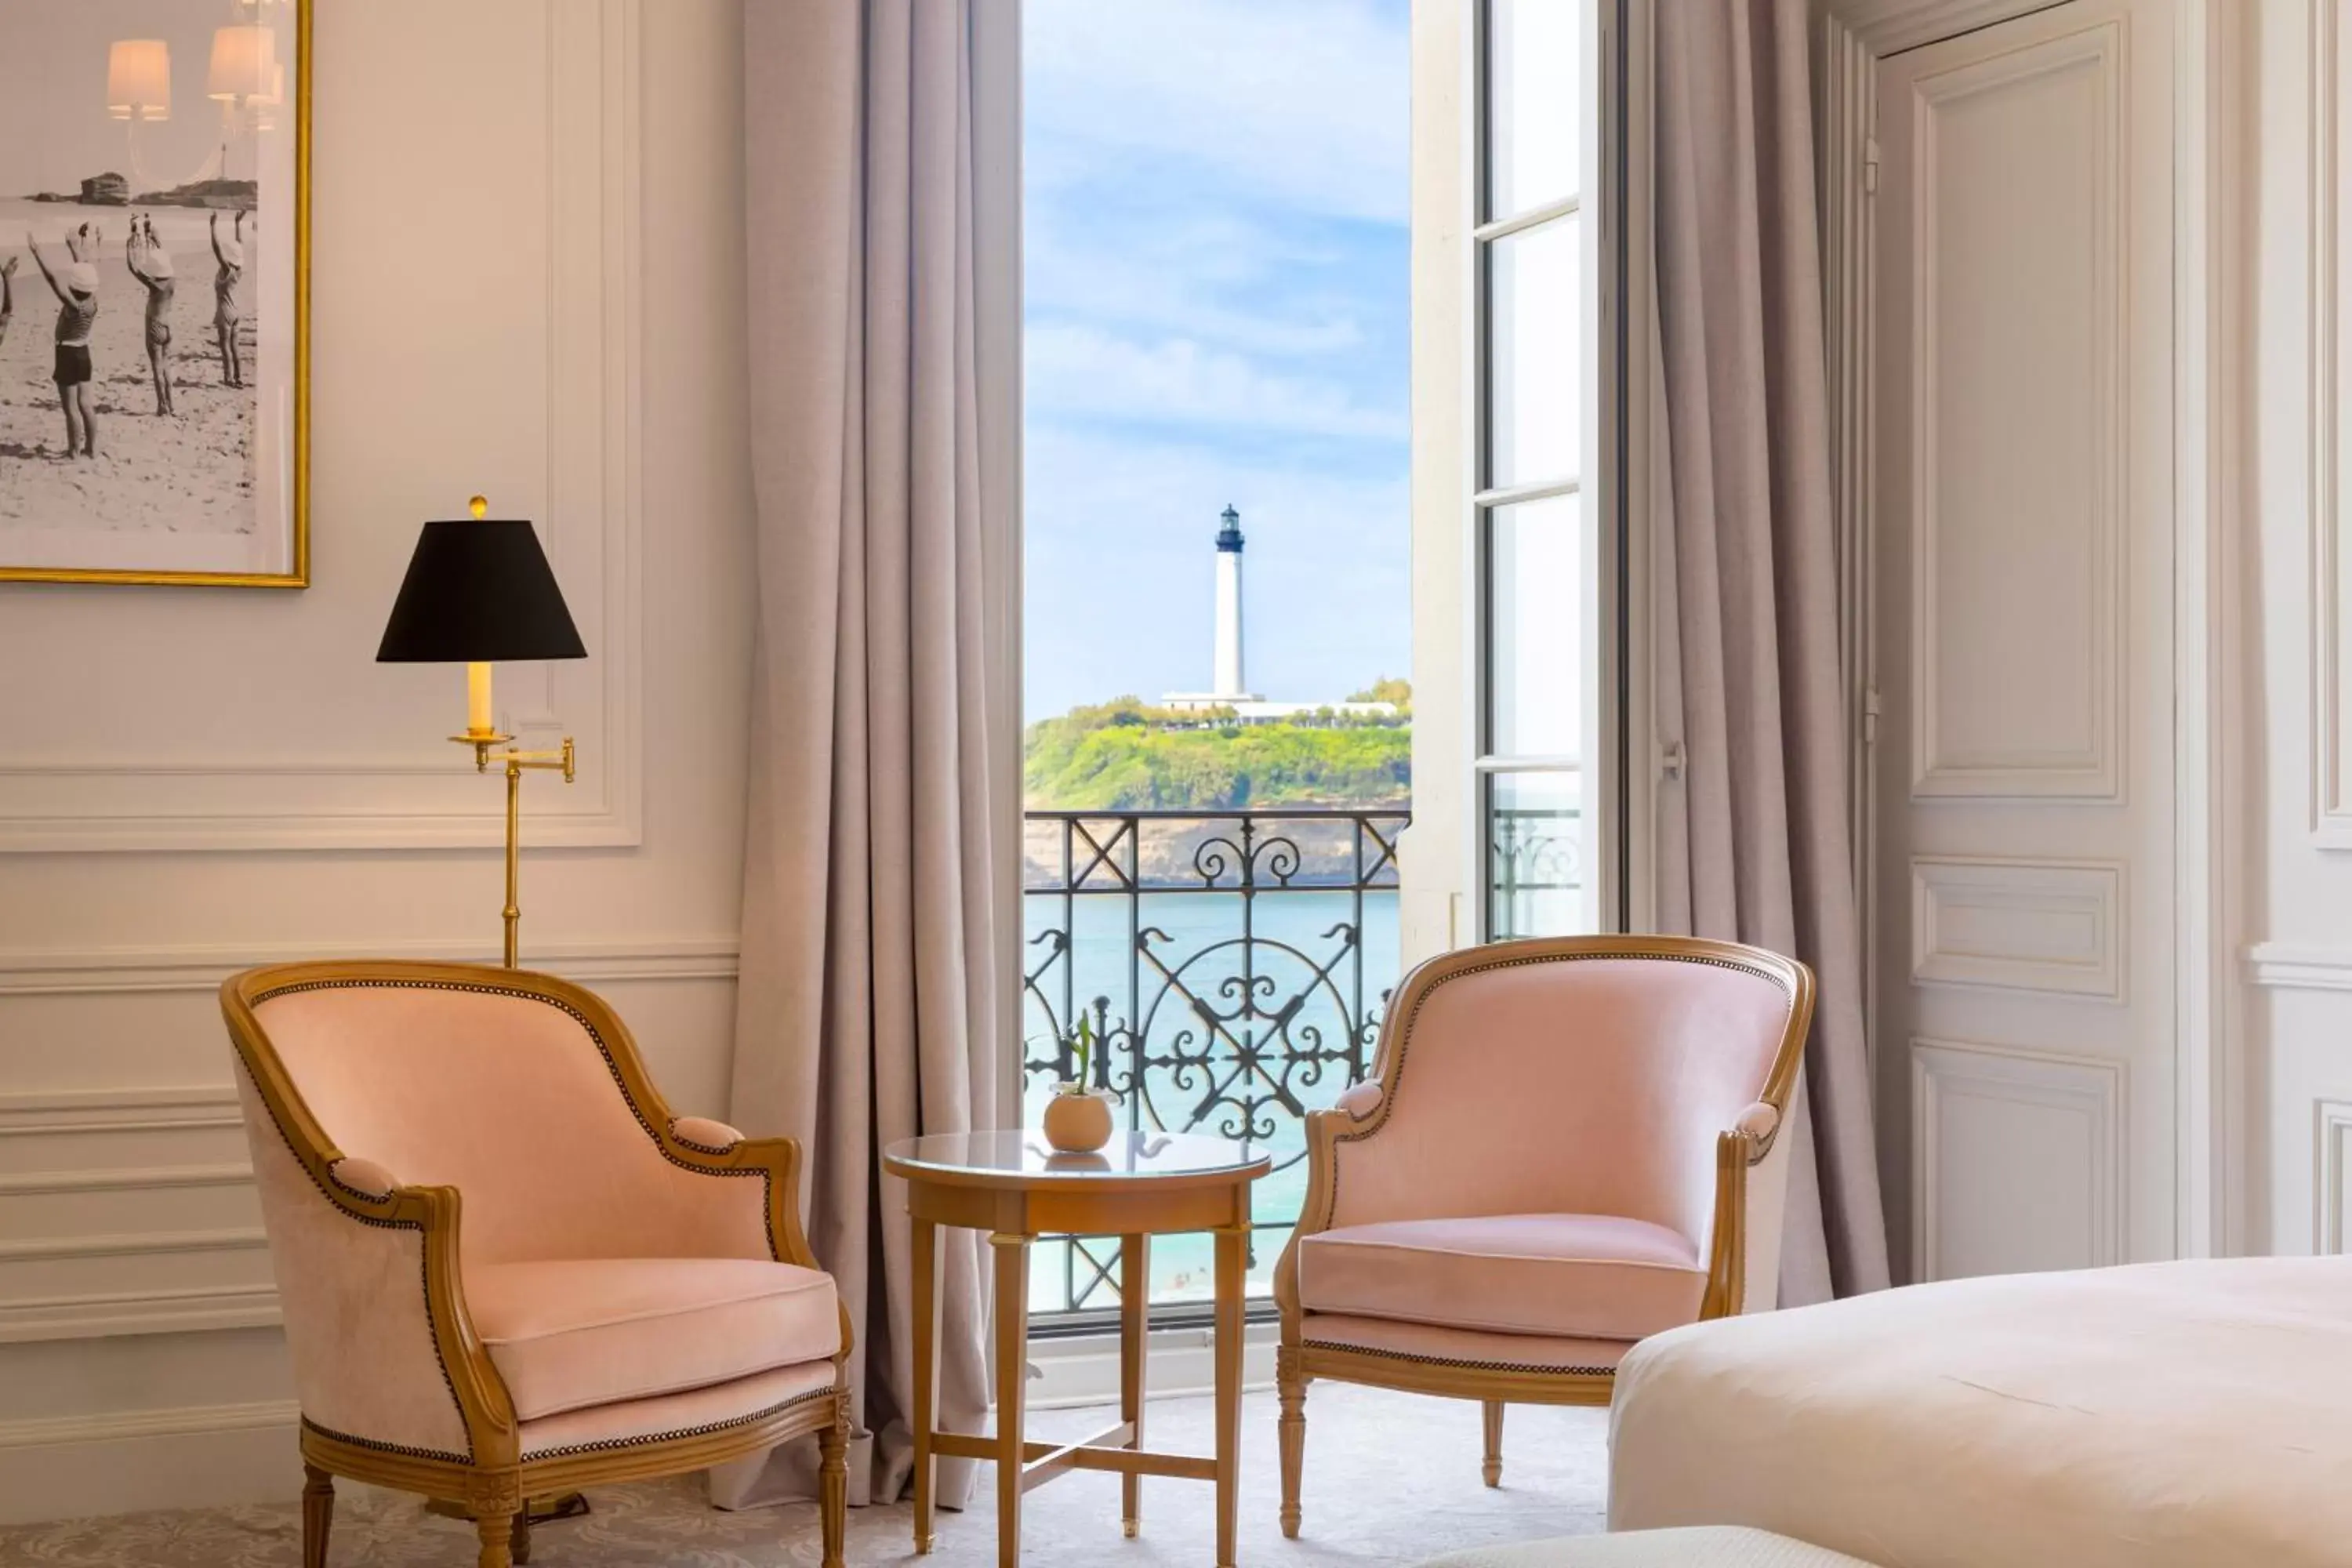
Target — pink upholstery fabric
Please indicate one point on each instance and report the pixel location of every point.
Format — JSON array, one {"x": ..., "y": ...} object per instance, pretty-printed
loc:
[
  {"x": 1360, "y": 1099},
  {"x": 1758, "y": 1121},
  {"x": 703, "y": 1133},
  {"x": 1593, "y": 1086},
  {"x": 364, "y": 1176},
  {"x": 508, "y": 1099},
  {"x": 702, "y": 1409},
  {"x": 568, "y": 1335},
  {"x": 1464, "y": 1347},
  {"x": 1572, "y": 1276},
  {"x": 353, "y": 1300}
]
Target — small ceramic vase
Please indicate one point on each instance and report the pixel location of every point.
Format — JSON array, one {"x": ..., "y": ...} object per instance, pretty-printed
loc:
[{"x": 1076, "y": 1120}]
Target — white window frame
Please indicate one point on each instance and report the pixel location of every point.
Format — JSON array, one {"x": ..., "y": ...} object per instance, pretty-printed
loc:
[{"x": 1446, "y": 900}]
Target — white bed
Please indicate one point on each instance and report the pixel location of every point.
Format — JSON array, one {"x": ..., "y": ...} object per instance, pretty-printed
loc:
[{"x": 2165, "y": 1415}]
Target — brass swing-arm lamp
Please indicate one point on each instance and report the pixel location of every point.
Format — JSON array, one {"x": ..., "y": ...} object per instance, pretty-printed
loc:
[{"x": 479, "y": 590}]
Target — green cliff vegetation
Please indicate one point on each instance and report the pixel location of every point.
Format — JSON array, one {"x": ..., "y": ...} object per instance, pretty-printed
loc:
[{"x": 1126, "y": 754}]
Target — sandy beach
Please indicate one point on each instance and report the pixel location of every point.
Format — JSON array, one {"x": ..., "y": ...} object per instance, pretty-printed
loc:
[{"x": 188, "y": 472}]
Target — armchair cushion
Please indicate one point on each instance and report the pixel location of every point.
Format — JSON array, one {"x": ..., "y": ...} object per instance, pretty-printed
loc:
[
  {"x": 1574, "y": 1276},
  {"x": 572, "y": 1333}
]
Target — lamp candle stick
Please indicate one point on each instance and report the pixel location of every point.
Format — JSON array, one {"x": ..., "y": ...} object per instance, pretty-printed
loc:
[{"x": 478, "y": 700}]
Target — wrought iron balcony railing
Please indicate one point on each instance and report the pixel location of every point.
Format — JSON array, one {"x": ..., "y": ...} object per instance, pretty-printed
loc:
[{"x": 1233, "y": 965}]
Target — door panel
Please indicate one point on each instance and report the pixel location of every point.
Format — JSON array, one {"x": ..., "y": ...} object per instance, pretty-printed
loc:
[{"x": 2023, "y": 564}]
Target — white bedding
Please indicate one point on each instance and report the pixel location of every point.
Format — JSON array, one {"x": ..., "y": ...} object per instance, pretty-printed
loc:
[{"x": 2165, "y": 1415}]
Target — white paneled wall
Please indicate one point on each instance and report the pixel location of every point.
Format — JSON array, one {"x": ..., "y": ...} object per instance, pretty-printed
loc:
[
  {"x": 2300, "y": 1031},
  {"x": 528, "y": 276}
]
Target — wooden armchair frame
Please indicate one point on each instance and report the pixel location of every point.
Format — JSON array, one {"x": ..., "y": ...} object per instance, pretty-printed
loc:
[
  {"x": 493, "y": 1486},
  {"x": 1736, "y": 1153}
]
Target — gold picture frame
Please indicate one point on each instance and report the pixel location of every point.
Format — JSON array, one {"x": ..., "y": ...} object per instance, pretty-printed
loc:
[{"x": 288, "y": 524}]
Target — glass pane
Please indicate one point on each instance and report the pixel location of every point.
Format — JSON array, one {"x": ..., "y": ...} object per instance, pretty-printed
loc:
[
  {"x": 1535, "y": 629},
  {"x": 1535, "y": 855},
  {"x": 1536, "y": 355},
  {"x": 1534, "y": 82}
]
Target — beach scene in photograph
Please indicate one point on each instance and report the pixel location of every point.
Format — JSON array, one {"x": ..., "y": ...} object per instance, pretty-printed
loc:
[{"x": 129, "y": 184}]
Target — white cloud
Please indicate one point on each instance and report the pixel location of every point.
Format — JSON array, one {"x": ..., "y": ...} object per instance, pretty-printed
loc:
[
  {"x": 1080, "y": 369},
  {"x": 1303, "y": 102},
  {"x": 1180, "y": 269}
]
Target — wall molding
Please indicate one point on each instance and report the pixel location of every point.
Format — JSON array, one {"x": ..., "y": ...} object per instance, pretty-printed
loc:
[
  {"x": 2095, "y": 1089},
  {"x": 1890, "y": 27},
  {"x": 47, "y": 1431},
  {"x": 132, "y": 1243},
  {"x": 205, "y": 1456},
  {"x": 2331, "y": 1164},
  {"x": 591, "y": 518},
  {"x": 2089, "y": 766},
  {"x": 124, "y": 1179},
  {"x": 199, "y": 966},
  {"x": 174, "y": 1109},
  {"x": 2058, "y": 926},
  {"x": 107, "y": 1314},
  {"x": 2331, "y": 771},
  {"x": 2300, "y": 967}
]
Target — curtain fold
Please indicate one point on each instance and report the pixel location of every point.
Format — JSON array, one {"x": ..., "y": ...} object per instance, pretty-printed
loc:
[
  {"x": 1754, "y": 841},
  {"x": 865, "y": 1010}
]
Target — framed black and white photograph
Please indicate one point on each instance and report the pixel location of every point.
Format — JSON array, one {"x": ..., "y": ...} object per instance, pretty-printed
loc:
[{"x": 154, "y": 243}]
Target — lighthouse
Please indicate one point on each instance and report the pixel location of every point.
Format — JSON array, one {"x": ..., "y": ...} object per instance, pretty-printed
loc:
[
  {"x": 1229, "y": 696},
  {"x": 1228, "y": 683}
]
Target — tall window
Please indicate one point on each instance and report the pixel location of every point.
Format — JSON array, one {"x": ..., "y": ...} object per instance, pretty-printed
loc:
[
  {"x": 1535, "y": 545},
  {"x": 1217, "y": 630},
  {"x": 1512, "y": 800}
]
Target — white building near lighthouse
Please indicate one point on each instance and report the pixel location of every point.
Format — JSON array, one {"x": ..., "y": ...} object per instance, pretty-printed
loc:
[{"x": 1229, "y": 686}]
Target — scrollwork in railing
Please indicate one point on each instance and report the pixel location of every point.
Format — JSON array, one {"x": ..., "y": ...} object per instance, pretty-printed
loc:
[{"x": 1223, "y": 959}]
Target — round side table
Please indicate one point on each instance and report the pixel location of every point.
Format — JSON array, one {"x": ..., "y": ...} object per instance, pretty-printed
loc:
[{"x": 1017, "y": 1188}]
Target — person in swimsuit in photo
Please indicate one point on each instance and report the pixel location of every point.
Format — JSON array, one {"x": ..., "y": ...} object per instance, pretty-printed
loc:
[
  {"x": 75, "y": 287},
  {"x": 230, "y": 253},
  {"x": 151, "y": 265}
]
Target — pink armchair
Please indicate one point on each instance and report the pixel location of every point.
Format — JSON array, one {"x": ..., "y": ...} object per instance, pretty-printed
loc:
[
  {"x": 1567, "y": 1145},
  {"x": 506, "y": 1269}
]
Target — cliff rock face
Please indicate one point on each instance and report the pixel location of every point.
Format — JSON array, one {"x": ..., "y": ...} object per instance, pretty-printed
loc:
[{"x": 107, "y": 190}]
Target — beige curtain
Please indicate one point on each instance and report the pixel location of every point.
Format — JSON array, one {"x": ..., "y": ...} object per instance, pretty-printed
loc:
[
  {"x": 1755, "y": 845},
  {"x": 866, "y": 1004}
]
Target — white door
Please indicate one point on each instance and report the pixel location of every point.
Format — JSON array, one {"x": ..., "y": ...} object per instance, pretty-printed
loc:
[{"x": 2022, "y": 628}]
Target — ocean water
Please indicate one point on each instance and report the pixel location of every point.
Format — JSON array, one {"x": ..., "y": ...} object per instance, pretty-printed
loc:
[{"x": 1193, "y": 954}]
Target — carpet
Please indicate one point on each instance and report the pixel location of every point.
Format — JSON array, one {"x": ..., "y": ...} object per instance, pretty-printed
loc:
[{"x": 1390, "y": 1479}]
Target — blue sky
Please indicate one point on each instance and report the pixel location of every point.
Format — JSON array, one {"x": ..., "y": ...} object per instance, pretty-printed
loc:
[{"x": 1217, "y": 311}]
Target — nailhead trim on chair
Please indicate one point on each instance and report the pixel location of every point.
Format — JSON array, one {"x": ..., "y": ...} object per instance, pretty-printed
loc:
[
  {"x": 604, "y": 1445},
  {"x": 1405, "y": 1038},
  {"x": 767, "y": 1192},
  {"x": 464, "y": 1459},
  {"x": 1539, "y": 1371}
]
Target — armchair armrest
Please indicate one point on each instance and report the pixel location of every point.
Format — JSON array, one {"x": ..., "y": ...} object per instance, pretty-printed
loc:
[
  {"x": 702, "y": 1133},
  {"x": 369, "y": 1286},
  {"x": 363, "y": 1178},
  {"x": 1752, "y": 1190}
]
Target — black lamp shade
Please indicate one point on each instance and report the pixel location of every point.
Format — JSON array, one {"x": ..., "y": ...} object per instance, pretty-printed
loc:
[{"x": 479, "y": 591}]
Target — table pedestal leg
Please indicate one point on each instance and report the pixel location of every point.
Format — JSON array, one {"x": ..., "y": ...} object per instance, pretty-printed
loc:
[
  {"x": 1232, "y": 1270},
  {"x": 927, "y": 1352},
  {"x": 1012, "y": 1387},
  {"x": 1134, "y": 1329}
]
